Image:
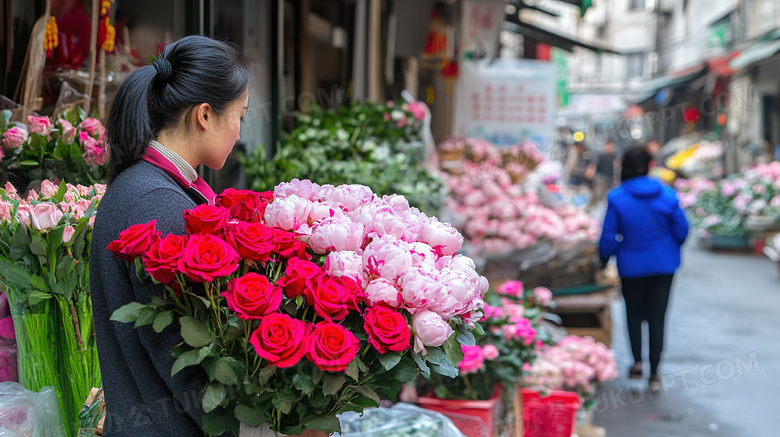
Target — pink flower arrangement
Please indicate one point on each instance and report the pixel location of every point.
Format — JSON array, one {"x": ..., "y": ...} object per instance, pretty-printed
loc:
[{"x": 14, "y": 137}]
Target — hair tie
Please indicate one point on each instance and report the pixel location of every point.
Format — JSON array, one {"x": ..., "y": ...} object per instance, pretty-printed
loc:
[{"x": 164, "y": 69}]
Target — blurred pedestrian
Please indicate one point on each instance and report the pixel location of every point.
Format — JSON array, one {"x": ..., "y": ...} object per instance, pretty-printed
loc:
[
  {"x": 606, "y": 163},
  {"x": 580, "y": 169},
  {"x": 654, "y": 147},
  {"x": 644, "y": 229}
]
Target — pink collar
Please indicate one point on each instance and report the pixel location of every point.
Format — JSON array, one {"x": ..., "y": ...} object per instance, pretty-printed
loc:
[{"x": 199, "y": 186}]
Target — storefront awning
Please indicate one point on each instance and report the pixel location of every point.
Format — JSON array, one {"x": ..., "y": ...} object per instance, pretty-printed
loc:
[
  {"x": 757, "y": 52},
  {"x": 675, "y": 80},
  {"x": 554, "y": 39}
]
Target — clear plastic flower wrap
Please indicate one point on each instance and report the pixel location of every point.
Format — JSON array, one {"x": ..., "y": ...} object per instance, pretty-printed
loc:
[
  {"x": 401, "y": 420},
  {"x": 29, "y": 414}
]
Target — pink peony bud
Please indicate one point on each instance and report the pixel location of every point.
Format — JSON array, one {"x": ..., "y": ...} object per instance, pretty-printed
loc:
[
  {"x": 429, "y": 330},
  {"x": 334, "y": 234},
  {"x": 387, "y": 257},
  {"x": 288, "y": 213},
  {"x": 382, "y": 290},
  {"x": 442, "y": 237}
]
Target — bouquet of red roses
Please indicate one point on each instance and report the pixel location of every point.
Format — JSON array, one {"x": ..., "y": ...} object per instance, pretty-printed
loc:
[{"x": 307, "y": 302}]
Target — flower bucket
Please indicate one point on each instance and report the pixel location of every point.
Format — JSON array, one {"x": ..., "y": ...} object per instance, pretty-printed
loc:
[
  {"x": 265, "y": 431},
  {"x": 473, "y": 418},
  {"x": 452, "y": 155},
  {"x": 554, "y": 415}
]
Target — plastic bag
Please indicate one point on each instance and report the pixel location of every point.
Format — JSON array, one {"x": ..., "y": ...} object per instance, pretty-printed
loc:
[
  {"x": 24, "y": 413},
  {"x": 401, "y": 420}
]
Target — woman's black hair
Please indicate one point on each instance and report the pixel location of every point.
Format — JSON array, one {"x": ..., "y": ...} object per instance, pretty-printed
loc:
[
  {"x": 190, "y": 71},
  {"x": 636, "y": 162}
]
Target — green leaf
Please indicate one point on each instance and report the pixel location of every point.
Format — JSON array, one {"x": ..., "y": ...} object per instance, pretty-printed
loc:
[
  {"x": 35, "y": 297},
  {"x": 331, "y": 384},
  {"x": 248, "y": 416},
  {"x": 225, "y": 373},
  {"x": 303, "y": 383},
  {"x": 214, "y": 396},
  {"x": 435, "y": 355},
  {"x": 363, "y": 402},
  {"x": 38, "y": 245},
  {"x": 326, "y": 424},
  {"x": 446, "y": 368},
  {"x": 162, "y": 320},
  {"x": 424, "y": 369},
  {"x": 28, "y": 163},
  {"x": 214, "y": 424},
  {"x": 194, "y": 332},
  {"x": 145, "y": 317},
  {"x": 389, "y": 359},
  {"x": 405, "y": 371},
  {"x": 21, "y": 242},
  {"x": 353, "y": 369},
  {"x": 453, "y": 350},
  {"x": 465, "y": 337},
  {"x": 189, "y": 358},
  {"x": 63, "y": 188},
  {"x": 128, "y": 313},
  {"x": 265, "y": 374},
  {"x": 367, "y": 392},
  {"x": 39, "y": 283}
]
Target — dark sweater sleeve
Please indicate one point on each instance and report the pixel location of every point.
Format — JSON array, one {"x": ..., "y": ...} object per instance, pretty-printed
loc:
[{"x": 166, "y": 206}]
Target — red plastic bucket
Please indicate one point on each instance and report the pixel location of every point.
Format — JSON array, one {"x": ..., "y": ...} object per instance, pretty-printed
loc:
[
  {"x": 473, "y": 418},
  {"x": 554, "y": 415}
]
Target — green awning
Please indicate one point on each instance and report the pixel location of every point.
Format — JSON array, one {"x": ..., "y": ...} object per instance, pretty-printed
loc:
[
  {"x": 651, "y": 87},
  {"x": 764, "y": 48}
]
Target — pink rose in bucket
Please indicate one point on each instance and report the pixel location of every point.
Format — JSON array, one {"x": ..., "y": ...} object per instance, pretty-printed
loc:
[
  {"x": 48, "y": 189},
  {"x": 511, "y": 288},
  {"x": 45, "y": 216},
  {"x": 92, "y": 126},
  {"x": 543, "y": 296},
  {"x": 67, "y": 233},
  {"x": 68, "y": 131},
  {"x": 490, "y": 351},
  {"x": 14, "y": 138},
  {"x": 39, "y": 125},
  {"x": 429, "y": 330},
  {"x": 473, "y": 359}
]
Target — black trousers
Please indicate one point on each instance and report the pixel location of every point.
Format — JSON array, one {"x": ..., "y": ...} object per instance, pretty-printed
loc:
[{"x": 646, "y": 300}]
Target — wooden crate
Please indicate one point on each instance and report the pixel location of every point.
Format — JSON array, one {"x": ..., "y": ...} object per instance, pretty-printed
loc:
[{"x": 588, "y": 314}]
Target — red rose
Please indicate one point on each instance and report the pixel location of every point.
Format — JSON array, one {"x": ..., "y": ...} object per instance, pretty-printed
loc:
[
  {"x": 253, "y": 241},
  {"x": 206, "y": 219},
  {"x": 281, "y": 339},
  {"x": 387, "y": 329},
  {"x": 332, "y": 347},
  {"x": 243, "y": 204},
  {"x": 252, "y": 296},
  {"x": 287, "y": 246},
  {"x": 207, "y": 257},
  {"x": 299, "y": 276},
  {"x": 329, "y": 297},
  {"x": 356, "y": 294},
  {"x": 162, "y": 259},
  {"x": 135, "y": 240}
]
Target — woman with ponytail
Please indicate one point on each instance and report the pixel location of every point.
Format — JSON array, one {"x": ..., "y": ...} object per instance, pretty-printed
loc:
[{"x": 168, "y": 118}]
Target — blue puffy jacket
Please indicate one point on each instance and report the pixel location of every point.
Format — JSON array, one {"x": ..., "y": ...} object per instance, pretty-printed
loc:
[{"x": 644, "y": 228}]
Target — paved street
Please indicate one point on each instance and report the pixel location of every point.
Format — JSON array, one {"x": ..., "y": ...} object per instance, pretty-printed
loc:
[{"x": 722, "y": 355}]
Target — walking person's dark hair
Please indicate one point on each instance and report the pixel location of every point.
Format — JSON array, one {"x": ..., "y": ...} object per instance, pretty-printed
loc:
[
  {"x": 190, "y": 71},
  {"x": 636, "y": 162}
]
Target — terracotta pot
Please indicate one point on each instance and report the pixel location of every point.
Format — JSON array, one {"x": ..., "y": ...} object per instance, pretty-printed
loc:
[
  {"x": 264, "y": 431},
  {"x": 473, "y": 418}
]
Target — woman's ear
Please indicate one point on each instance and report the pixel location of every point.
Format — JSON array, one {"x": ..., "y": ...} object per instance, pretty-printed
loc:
[{"x": 203, "y": 113}]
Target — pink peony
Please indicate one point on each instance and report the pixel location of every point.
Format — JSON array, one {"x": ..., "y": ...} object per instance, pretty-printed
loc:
[
  {"x": 48, "y": 189},
  {"x": 68, "y": 131},
  {"x": 324, "y": 210},
  {"x": 14, "y": 138},
  {"x": 397, "y": 202},
  {"x": 387, "y": 257},
  {"x": 305, "y": 189},
  {"x": 378, "y": 219},
  {"x": 334, "y": 234},
  {"x": 39, "y": 125},
  {"x": 543, "y": 296},
  {"x": 442, "y": 237},
  {"x": 350, "y": 197},
  {"x": 382, "y": 290},
  {"x": 473, "y": 359},
  {"x": 490, "y": 351},
  {"x": 429, "y": 330},
  {"x": 422, "y": 254},
  {"x": 345, "y": 263},
  {"x": 45, "y": 216},
  {"x": 511, "y": 288},
  {"x": 288, "y": 213},
  {"x": 418, "y": 109},
  {"x": 423, "y": 289}
]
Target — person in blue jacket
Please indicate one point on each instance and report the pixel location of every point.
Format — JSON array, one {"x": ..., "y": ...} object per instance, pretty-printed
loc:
[{"x": 644, "y": 229}]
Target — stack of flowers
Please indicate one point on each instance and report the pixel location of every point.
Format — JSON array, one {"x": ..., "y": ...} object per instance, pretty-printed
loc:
[
  {"x": 702, "y": 159},
  {"x": 311, "y": 301},
  {"x": 44, "y": 265},
  {"x": 71, "y": 148},
  {"x": 574, "y": 364},
  {"x": 497, "y": 216}
]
